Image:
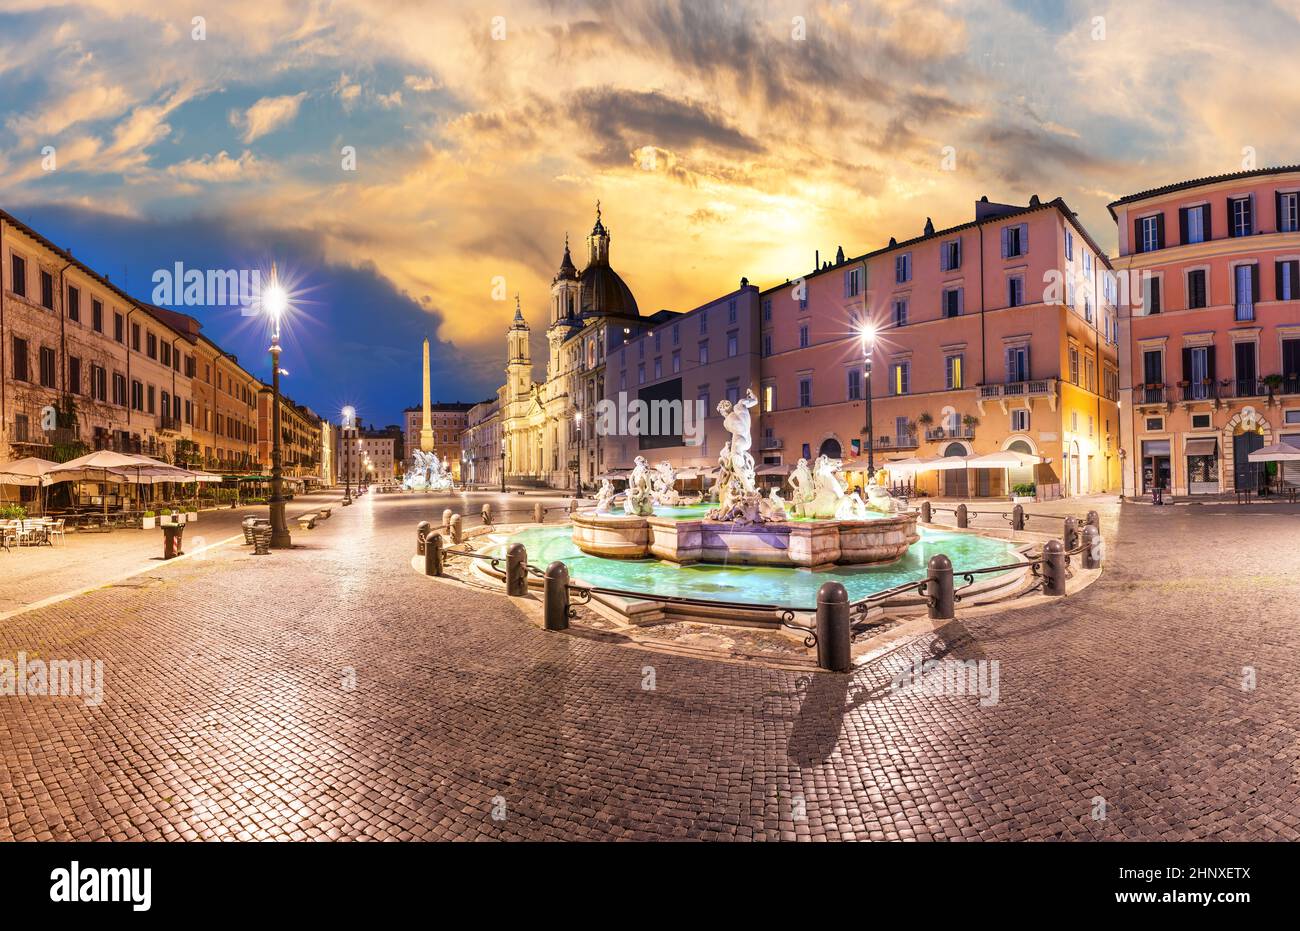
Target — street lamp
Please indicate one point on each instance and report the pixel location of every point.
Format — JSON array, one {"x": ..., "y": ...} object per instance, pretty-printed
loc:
[
  {"x": 503, "y": 465},
  {"x": 868, "y": 334},
  {"x": 577, "y": 419},
  {"x": 349, "y": 417},
  {"x": 275, "y": 301}
]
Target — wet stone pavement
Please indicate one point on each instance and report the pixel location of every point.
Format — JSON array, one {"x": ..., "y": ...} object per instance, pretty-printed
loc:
[{"x": 331, "y": 692}]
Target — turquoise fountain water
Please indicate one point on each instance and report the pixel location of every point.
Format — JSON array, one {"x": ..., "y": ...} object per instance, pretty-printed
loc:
[{"x": 756, "y": 584}]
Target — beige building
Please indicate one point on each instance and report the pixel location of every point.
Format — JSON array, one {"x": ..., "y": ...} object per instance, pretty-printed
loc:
[
  {"x": 448, "y": 420},
  {"x": 590, "y": 313},
  {"x": 481, "y": 444},
  {"x": 225, "y": 411},
  {"x": 300, "y": 437}
]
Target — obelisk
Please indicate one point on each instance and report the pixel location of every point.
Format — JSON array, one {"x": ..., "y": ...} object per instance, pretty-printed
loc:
[{"x": 426, "y": 426}]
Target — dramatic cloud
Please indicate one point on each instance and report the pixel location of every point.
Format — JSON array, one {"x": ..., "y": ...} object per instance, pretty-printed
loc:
[{"x": 270, "y": 113}]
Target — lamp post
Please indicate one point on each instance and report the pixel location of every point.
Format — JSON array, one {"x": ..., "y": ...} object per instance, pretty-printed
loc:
[
  {"x": 503, "y": 465},
  {"x": 868, "y": 333},
  {"x": 349, "y": 417},
  {"x": 275, "y": 302},
  {"x": 577, "y": 419}
]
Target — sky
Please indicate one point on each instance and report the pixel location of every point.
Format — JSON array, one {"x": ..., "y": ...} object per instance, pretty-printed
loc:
[{"x": 411, "y": 167}]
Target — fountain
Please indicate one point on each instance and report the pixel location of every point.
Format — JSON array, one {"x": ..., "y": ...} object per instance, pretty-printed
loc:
[
  {"x": 822, "y": 525},
  {"x": 427, "y": 473}
]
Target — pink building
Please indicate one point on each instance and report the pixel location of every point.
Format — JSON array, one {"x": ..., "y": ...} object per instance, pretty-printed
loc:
[
  {"x": 996, "y": 334},
  {"x": 1211, "y": 329}
]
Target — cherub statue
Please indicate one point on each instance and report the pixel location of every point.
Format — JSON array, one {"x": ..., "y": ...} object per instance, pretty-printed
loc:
[
  {"x": 640, "y": 490},
  {"x": 605, "y": 497}
]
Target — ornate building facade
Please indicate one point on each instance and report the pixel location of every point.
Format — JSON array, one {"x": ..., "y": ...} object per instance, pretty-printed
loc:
[{"x": 548, "y": 426}]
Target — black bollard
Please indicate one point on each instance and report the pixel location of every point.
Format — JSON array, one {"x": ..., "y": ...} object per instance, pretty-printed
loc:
[
  {"x": 939, "y": 588},
  {"x": 456, "y": 536},
  {"x": 1018, "y": 517},
  {"x": 925, "y": 513},
  {"x": 433, "y": 554},
  {"x": 421, "y": 531},
  {"x": 487, "y": 515},
  {"x": 539, "y": 513},
  {"x": 834, "y": 646},
  {"x": 1071, "y": 536},
  {"x": 556, "y": 594},
  {"x": 963, "y": 520},
  {"x": 516, "y": 570},
  {"x": 446, "y": 519},
  {"x": 1094, "y": 519},
  {"x": 1091, "y": 547},
  {"x": 573, "y": 506},
  {"x": 1053, "y": 568}
]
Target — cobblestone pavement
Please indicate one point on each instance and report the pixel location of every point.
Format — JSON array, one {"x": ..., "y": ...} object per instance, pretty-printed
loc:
[{"x": 229, "y": 710}]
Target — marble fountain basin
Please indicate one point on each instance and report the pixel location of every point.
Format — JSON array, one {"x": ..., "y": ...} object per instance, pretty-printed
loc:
[{"x": 686, "y": 536}]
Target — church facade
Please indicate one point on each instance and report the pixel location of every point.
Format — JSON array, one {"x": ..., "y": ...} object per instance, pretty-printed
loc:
[{"x": 548, "y": 427}]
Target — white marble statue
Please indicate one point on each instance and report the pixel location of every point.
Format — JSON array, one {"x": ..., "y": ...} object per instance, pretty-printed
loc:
[
  {"x": 801, "y": 483},
  {"x": 640, "y": 490},
  {"x": 879, "y": 499},
  {"x": 664, "y": 479},
  {"x": 427, "y": 472},
  {"x": 605, "y": 497},
  {"x": 778, "y": 504},
  {"x": 738, "y": 497}
]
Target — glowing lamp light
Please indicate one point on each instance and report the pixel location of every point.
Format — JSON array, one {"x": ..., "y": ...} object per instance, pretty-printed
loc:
[{"x": 275, "y": 300}]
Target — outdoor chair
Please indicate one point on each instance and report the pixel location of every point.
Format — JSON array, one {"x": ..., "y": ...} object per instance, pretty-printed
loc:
[{"x": 56, "y": 530}]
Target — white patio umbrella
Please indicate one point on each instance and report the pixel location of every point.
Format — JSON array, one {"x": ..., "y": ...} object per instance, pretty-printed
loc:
[
  {"x": 104, "y": 465},
  {"x": 1277, "y": 452},
  {"x": 1006, "y": 459},
  {"x": 30, "y": 471}
]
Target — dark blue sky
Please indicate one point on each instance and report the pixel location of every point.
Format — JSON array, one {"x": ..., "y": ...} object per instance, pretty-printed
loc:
[{"x": 353, "y": 339}]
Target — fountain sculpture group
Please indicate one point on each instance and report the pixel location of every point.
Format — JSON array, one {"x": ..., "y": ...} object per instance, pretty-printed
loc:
[
  {"x": 427, "y": 473},
  {"x": 821, "y": 525}
]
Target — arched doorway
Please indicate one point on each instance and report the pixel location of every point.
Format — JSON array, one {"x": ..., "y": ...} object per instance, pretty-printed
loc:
[
  {"x": 1022, "y": 475},
  {"x": 955, "y": 484},
  {"x": 831, "y": 448}
]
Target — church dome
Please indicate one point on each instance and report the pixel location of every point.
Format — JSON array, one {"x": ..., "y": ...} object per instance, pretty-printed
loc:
[{"x": 602, "y": 290}]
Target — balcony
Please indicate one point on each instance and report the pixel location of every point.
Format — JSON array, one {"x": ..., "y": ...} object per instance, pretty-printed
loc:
[
  {"x": 939, "y": 434},
  {"x": 1152, "y": 395},
  {"x": 896, "y": 442},
  {"x": 1017, "y": 391},
  {"x": 771, "y": 442},
  {"x": 168, "y": 424}
]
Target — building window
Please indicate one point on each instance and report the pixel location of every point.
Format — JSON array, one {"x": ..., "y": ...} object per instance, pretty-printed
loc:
[
  {"x": 704, "y": 322},
  {"x": 135, "y": 336},
  {"x": 659, "y": 367},
  {"x": 1019, "y": 420},
  {"x": 1015, "y": 240},
  {"x": 48, "y": 379},
  {"x": 805, "y": 392},
  {"x": 1196, "y": 290},
  {"x": 1200, "y": 421},
  {"x": 1247, "y": 286},
  {"x": 74, "y": 375},
  {"x": 1017, "y": 364},
  {"x": 20, "y": 360},
  {"x": 1288, "y": 280},
  {"x": 731, "y": 310},
  {"x": 803, "y": 336},
  {"x": 74, "y": 304},
  {"x": 677, "y": 333},
  {"x": 900, "y": 312},
  {"x": 733, "y": 390},
  {"x": 769, "y": 400},
  {"x": 852, "y": 282},
  {"x": 899, "y": 377},
  {"x": 953, "y": 372},
  {"x": 733, "y": 344},
  {"x": 98, "y": 383},
  {"x": 1195, "y": 223},
  {"x": 1151, "y": 293},
  {"x": 950, "y": 256},
  {"x": 1155, "y": 423},
  {"x": 1069, "y": 246},
  {"x": 855, "y": 384},
  {"x": 640, "y": 374},
  {"x": 97, "y": 316},
  {"x": 767, "y": 311},
  {"x": 903, "y": 268},
  {"x": 952, "y": 301},
  {"x": 18, "y": 270},
  {"x": 1074, "y": 365},
  {"x": 677, "y": 361},
  {"x": 1151, "y": 233},
  {"x": 1288, "y": 212},
  {"x": 704, "y": 352},
  {"x": 119, "y": 389},
  {"x": 1241, "y": 219},
  {"x": 47, "y": 290},
  {"x": 1015, "y": 291},
  {"x": 767, "y": 344}
]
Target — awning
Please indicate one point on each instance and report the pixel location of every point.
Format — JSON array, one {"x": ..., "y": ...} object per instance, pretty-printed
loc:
[
  {"x": 772, "y": 469},
  {"x": 1278, "y": 452},
  {"x": 29, "y": 471},
  {"x": 1202, "y": 446}
]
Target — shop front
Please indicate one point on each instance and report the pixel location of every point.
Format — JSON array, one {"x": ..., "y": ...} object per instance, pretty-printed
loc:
[
  {"x": 1202, "y": 465},
  {"x": 1156, "y": 468}
]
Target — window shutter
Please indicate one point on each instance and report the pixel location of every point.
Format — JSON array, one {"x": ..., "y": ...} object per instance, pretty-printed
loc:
[
  {"x": 1206, "y": 213},
  {"x": 1279, "y": 269},
  {"x": 1209, "y": 363},
  {"x": 1295, "y": 279},
  {"x": 1254, "y": 224},
  {"x": 1006, "y": 236},
  {"x": 1277, "y": 200},
  {"x": 961, "y": 301},
  {"x": 1232, "y": 227},
  {"x": 1254, "y": 283},
  {"x": 1187, "y": 364},
  {"x": 1160, "y": 230},
  {"x": 957, "y": 254},
  {"x": 1137, "y": 235},
  {"x": 1011, "y": 372},
  {"x": 1024, "y": 238},
  {"x": 1182, "y": 225}
]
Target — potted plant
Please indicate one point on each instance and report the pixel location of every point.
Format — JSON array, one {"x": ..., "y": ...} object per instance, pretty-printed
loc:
[
  {"x": 13, "y": 512},
  {"x": 1023, "y": 492},
  {"x": 191, "y": 514},
  {"x": 147, "y": 521},
  {"x": 970, "y": 422},
  {"x": 1274, "y": 383}
]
